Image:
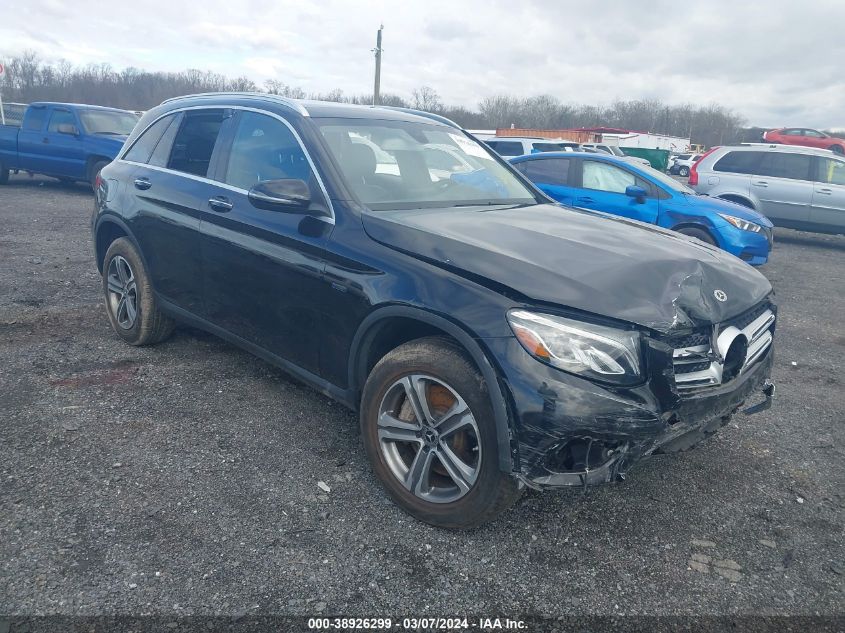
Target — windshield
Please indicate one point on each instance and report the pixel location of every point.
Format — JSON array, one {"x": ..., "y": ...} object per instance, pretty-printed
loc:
[
  {"x": 667, "y": 181},
  {"x": 108, "y": 122},
  {"x": 406, "y": 165}
]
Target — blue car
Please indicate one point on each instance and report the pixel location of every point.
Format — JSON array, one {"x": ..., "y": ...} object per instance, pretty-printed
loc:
[{"x": 618, "y": 186}]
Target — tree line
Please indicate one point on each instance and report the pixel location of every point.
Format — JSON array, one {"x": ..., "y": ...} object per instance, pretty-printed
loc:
[{"x": 29, "y": 78}]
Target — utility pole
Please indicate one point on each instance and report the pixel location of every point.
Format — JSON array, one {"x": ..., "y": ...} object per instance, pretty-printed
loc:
[{"x": 377, "y": 50}]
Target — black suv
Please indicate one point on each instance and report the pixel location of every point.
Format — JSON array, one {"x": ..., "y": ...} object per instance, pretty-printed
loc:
[{"x": 490, "y": 339}]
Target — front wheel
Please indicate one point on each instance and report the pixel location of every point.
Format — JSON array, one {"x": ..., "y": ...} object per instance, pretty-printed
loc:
[
  {"x": 132, "y": 307},
  {"x": 96, "y": 168},
  {"x": 684, "y": 171},
  {"x": 837, "y": 149},
  {"x": 428, "y": 430},
  {"x": 701, "y": 234}
]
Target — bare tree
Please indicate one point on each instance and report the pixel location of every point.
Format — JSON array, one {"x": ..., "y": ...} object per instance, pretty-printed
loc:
[{"x": 426, "y": 98}]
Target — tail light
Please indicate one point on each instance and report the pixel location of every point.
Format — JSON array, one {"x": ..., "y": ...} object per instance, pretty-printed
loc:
[{"x": 693, "y": 170}]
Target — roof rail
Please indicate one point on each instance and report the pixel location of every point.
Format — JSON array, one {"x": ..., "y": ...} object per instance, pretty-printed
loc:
[
  {"x": 423, "y": 113},
  {"x": 293, "y": 104},
  {"x": 789, "y": 148}
]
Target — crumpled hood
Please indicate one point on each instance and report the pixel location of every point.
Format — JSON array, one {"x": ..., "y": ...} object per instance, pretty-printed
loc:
[{"x": 580, "y": 259}]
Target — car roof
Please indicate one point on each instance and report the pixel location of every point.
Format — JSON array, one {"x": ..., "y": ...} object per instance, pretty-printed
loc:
[
  {"x": 309, "y": 107},
  {"x": 42, "y": 104}
]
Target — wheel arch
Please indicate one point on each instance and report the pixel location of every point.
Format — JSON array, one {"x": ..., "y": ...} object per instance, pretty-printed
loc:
[
  {"x": 388, "y": 327},
  {"x": 108, "y": 229},
  {"x": 738, "y": 198},
  {"x": 701, "y": 226}
]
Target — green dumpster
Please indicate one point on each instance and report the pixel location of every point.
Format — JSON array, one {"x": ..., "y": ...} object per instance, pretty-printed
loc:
[{"x": 659, "y": 158}]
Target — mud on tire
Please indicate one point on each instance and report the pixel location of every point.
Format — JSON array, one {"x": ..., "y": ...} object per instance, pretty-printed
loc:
[
  {"x": 130, "y": 303},
  {"x": 464, "y": 486}
]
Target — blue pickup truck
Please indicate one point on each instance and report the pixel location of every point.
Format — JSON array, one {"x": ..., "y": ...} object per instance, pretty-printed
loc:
[{"x": 68, "y": 141}]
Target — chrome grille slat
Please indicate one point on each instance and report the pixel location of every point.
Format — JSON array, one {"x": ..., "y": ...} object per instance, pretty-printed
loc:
[{"x": 756, "y": 325}]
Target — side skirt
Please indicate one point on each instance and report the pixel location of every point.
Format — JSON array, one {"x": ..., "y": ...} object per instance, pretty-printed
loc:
[{"x": 334, "y": 392}]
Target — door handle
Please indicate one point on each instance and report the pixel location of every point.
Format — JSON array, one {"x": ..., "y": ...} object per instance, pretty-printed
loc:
[
  {"x": 586, "y": 199},
  {"x": 45, "y": 140},
  {"x": 143, "y": 184},
  {"x": 824, "y": 191},
  {"x": 761, "y": 183},
  {"x": 220, "y": 203}
]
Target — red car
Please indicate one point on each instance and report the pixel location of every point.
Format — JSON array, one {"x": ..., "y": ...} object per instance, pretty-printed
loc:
[{"x": 805, "y": 137}]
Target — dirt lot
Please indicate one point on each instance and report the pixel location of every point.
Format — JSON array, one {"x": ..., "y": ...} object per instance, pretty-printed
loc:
[{"x": 183, "y": 478}]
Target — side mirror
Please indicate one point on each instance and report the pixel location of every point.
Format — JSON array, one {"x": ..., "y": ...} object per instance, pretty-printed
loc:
[
  {"x": 636, "y": 192},
  {"x": 288, "y": 195},
  {"x": 68, "y": 128}
]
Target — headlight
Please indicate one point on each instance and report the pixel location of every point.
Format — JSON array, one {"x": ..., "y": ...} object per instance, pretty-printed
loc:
[
  {"x": 585, "y": 349},
  {"x": 739, "y": 223}
]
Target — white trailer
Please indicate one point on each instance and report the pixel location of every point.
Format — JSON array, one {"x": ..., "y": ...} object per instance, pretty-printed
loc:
[{"x": 675, "y": 144}]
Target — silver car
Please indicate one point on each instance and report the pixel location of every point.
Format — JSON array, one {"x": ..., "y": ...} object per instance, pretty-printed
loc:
[{"x": 795, "y": 187}]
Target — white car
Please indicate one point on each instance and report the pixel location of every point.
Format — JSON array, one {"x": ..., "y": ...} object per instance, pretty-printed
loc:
[
  {"x": 510, "y": 146},
  {"x": 682, "y": 164}
]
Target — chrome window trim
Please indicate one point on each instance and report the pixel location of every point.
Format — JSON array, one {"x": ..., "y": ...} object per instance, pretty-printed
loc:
[{"x": 121, "y": 159}]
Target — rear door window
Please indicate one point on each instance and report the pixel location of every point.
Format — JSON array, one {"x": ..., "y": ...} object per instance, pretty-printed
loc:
[
  {"x": 549, "y": 147},
  {"x": 739, "y": 162},
  {"x": 195, "y": 141},
  {"x": 142, "y": 149},
  {"x": 785, "y": 165},
  {"x": 34, "y": 119},
  {"x": 506, "y": 148},
  {"x": 548, "y": 171}
]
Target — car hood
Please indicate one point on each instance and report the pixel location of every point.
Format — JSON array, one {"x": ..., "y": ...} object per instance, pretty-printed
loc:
[
  {"x": 588, "y": 261},
  {"x": 716, "y": 205}
]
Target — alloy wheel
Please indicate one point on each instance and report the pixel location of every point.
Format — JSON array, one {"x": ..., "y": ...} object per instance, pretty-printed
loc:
[
  {"x": 429, "y": 438},
  {"x": 122, "y": 292}
]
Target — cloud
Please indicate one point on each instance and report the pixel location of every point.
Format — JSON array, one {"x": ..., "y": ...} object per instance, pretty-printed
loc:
[{"x": 778, "y": 65}]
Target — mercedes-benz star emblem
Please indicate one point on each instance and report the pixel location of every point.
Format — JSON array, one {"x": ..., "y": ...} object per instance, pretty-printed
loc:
[{"x": 720, "y": 295}]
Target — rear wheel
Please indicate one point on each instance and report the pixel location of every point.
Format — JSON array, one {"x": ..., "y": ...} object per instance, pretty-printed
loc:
[
  {"x": 131, "y": 305},
  {"x": 429, "y": 433},
  {"x": 684, "y": 171},
  {"x": 701, "y": 234},
  {"x": 837, "y": 149}
]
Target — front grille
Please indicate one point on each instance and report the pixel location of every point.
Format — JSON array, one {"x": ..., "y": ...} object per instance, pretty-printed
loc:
[{"x": 703, "y": 360}]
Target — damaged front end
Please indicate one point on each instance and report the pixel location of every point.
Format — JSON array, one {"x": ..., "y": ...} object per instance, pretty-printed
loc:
[{"x": 574, "y": 431}]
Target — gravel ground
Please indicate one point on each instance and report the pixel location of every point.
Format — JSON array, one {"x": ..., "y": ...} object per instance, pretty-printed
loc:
[{"x": 183, "y": 479}]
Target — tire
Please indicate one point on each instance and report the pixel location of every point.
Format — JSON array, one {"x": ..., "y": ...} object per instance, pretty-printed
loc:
[
  {"x": 130, "y": 302},
  {"x": 439, "y": 370},
  {"x": 4, "y": 175},
  {"x": 701, "y": 234},
  {"x": 837, "y": 149},
  {"x": 684, "y": 171},
  {"x": 95, "y": 169}
]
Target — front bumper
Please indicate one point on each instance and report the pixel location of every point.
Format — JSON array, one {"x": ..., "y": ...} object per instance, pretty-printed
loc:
[
  {"x": 574, "y": 432},
  {"x": 752, "y": 248}
]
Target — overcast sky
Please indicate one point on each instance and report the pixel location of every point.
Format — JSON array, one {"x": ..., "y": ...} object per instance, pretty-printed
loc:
[{"x": 775, "y": 62}]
